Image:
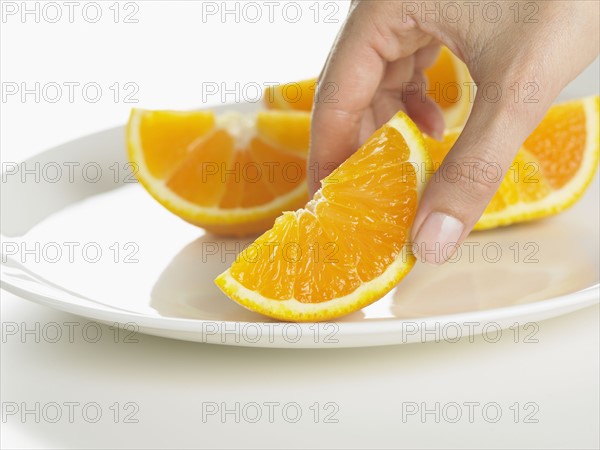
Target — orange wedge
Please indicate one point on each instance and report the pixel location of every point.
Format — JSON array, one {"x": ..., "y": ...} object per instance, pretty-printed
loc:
[
  {"x": 552, "y": 169},
  {"x": 449, "y": 84},
  {"x": 231, "y": 174},
  {"x": 349, "y": 245}
]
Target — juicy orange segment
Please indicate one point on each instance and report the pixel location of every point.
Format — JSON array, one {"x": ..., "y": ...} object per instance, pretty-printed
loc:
[
  {"x": 550, "y": 172},
  {"x": 296, "y": 95},
  {"x": 448, "y": 84},
  {"x": 195, "y": 179},
  {"x": 166, "y": 136},
  {"x": 230, "y": 174},
  {"x": 348, "y": 246},
  {"x": 564, "y": 128}
]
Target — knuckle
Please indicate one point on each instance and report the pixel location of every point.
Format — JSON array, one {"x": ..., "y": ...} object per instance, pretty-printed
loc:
[{"x": 476, "y": 178}]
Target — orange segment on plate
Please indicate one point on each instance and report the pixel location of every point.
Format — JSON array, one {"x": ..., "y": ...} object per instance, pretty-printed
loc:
[
  {"x": 232, "y": 174},
  {"x": 552, "y": 169},
  {"x": 449, "y": 84},
  {"x": 349, "y": 245}
]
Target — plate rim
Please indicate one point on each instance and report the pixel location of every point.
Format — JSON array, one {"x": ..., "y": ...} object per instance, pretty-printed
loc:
[{"x": 570, "y": 301}]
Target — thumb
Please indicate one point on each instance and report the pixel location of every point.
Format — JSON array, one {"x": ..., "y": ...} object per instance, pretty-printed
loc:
[{"x": 459, "y": 191}]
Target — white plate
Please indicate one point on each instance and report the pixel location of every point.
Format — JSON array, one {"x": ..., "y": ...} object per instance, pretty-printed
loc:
[{"x": 169, "y": 290}]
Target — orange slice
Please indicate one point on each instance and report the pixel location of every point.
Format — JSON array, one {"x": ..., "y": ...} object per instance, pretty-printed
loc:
[
  {"x": 232, "y": 174},
  {"x": 449, "y": 84},
  {"x": 552, "y": 169},
  {"x": 348, "y": 246}
]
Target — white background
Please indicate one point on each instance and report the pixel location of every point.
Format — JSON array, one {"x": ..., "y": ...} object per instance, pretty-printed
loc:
[{"x": 168, "y": 54}]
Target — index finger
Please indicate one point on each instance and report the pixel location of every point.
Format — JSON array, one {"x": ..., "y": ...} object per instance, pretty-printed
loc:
[{"x": 352, "y": 73}]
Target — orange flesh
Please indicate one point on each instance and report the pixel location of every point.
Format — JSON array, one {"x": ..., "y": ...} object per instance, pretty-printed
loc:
[
  {"x": 549, "y": 158},
  {"x": 439, "y": 79},
  {"x": 165, "y": 138},
  {"x": 198, "y": 177},
  {"x": 313, "y": 254},
  {"x": 206, "y": 166},
  {"x": 564, "y": 128},
  {"x": 296, "y": 96},
  {"x": 290, "y": 132},
  {"x": 282, "y": 170}
]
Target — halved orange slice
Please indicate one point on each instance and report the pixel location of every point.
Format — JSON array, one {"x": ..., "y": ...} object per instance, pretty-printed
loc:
[
  {"x": 552, "y": 169},
  {"x": 450, "y": 85},
  {"x": 232, "y": 174}
]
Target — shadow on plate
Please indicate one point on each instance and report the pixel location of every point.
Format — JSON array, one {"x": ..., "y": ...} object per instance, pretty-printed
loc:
[
  {"x": 186, "y": 288},
  {"x": 522, "y": 264}
]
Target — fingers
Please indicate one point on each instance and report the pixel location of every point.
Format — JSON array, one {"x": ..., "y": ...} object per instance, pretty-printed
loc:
[
  {"x": 469, "y": 176},
  {"x": 353, "y": 71},
  {"x": 389, "y": 98},
  {"x": 423, "y": 110},
  {"x": 370, "y": 40}
]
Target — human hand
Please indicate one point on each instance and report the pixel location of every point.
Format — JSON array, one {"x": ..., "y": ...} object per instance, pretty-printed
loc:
[{"x": 384, "y": 46}]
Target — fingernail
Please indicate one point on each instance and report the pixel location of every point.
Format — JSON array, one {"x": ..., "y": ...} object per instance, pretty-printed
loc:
[{"x": 438, "y": 237}]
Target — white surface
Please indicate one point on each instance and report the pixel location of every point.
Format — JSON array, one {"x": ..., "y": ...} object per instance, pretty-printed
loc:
[{"x": 170, "y": 379}]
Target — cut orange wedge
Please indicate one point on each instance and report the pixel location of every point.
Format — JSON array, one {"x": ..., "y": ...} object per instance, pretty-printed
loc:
[
  {"x": 552, "y": 169},
  {"x": 232, "y": 174},
  {"x": 449, "y": 84},
  {"x": 349, "y": 245}
]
